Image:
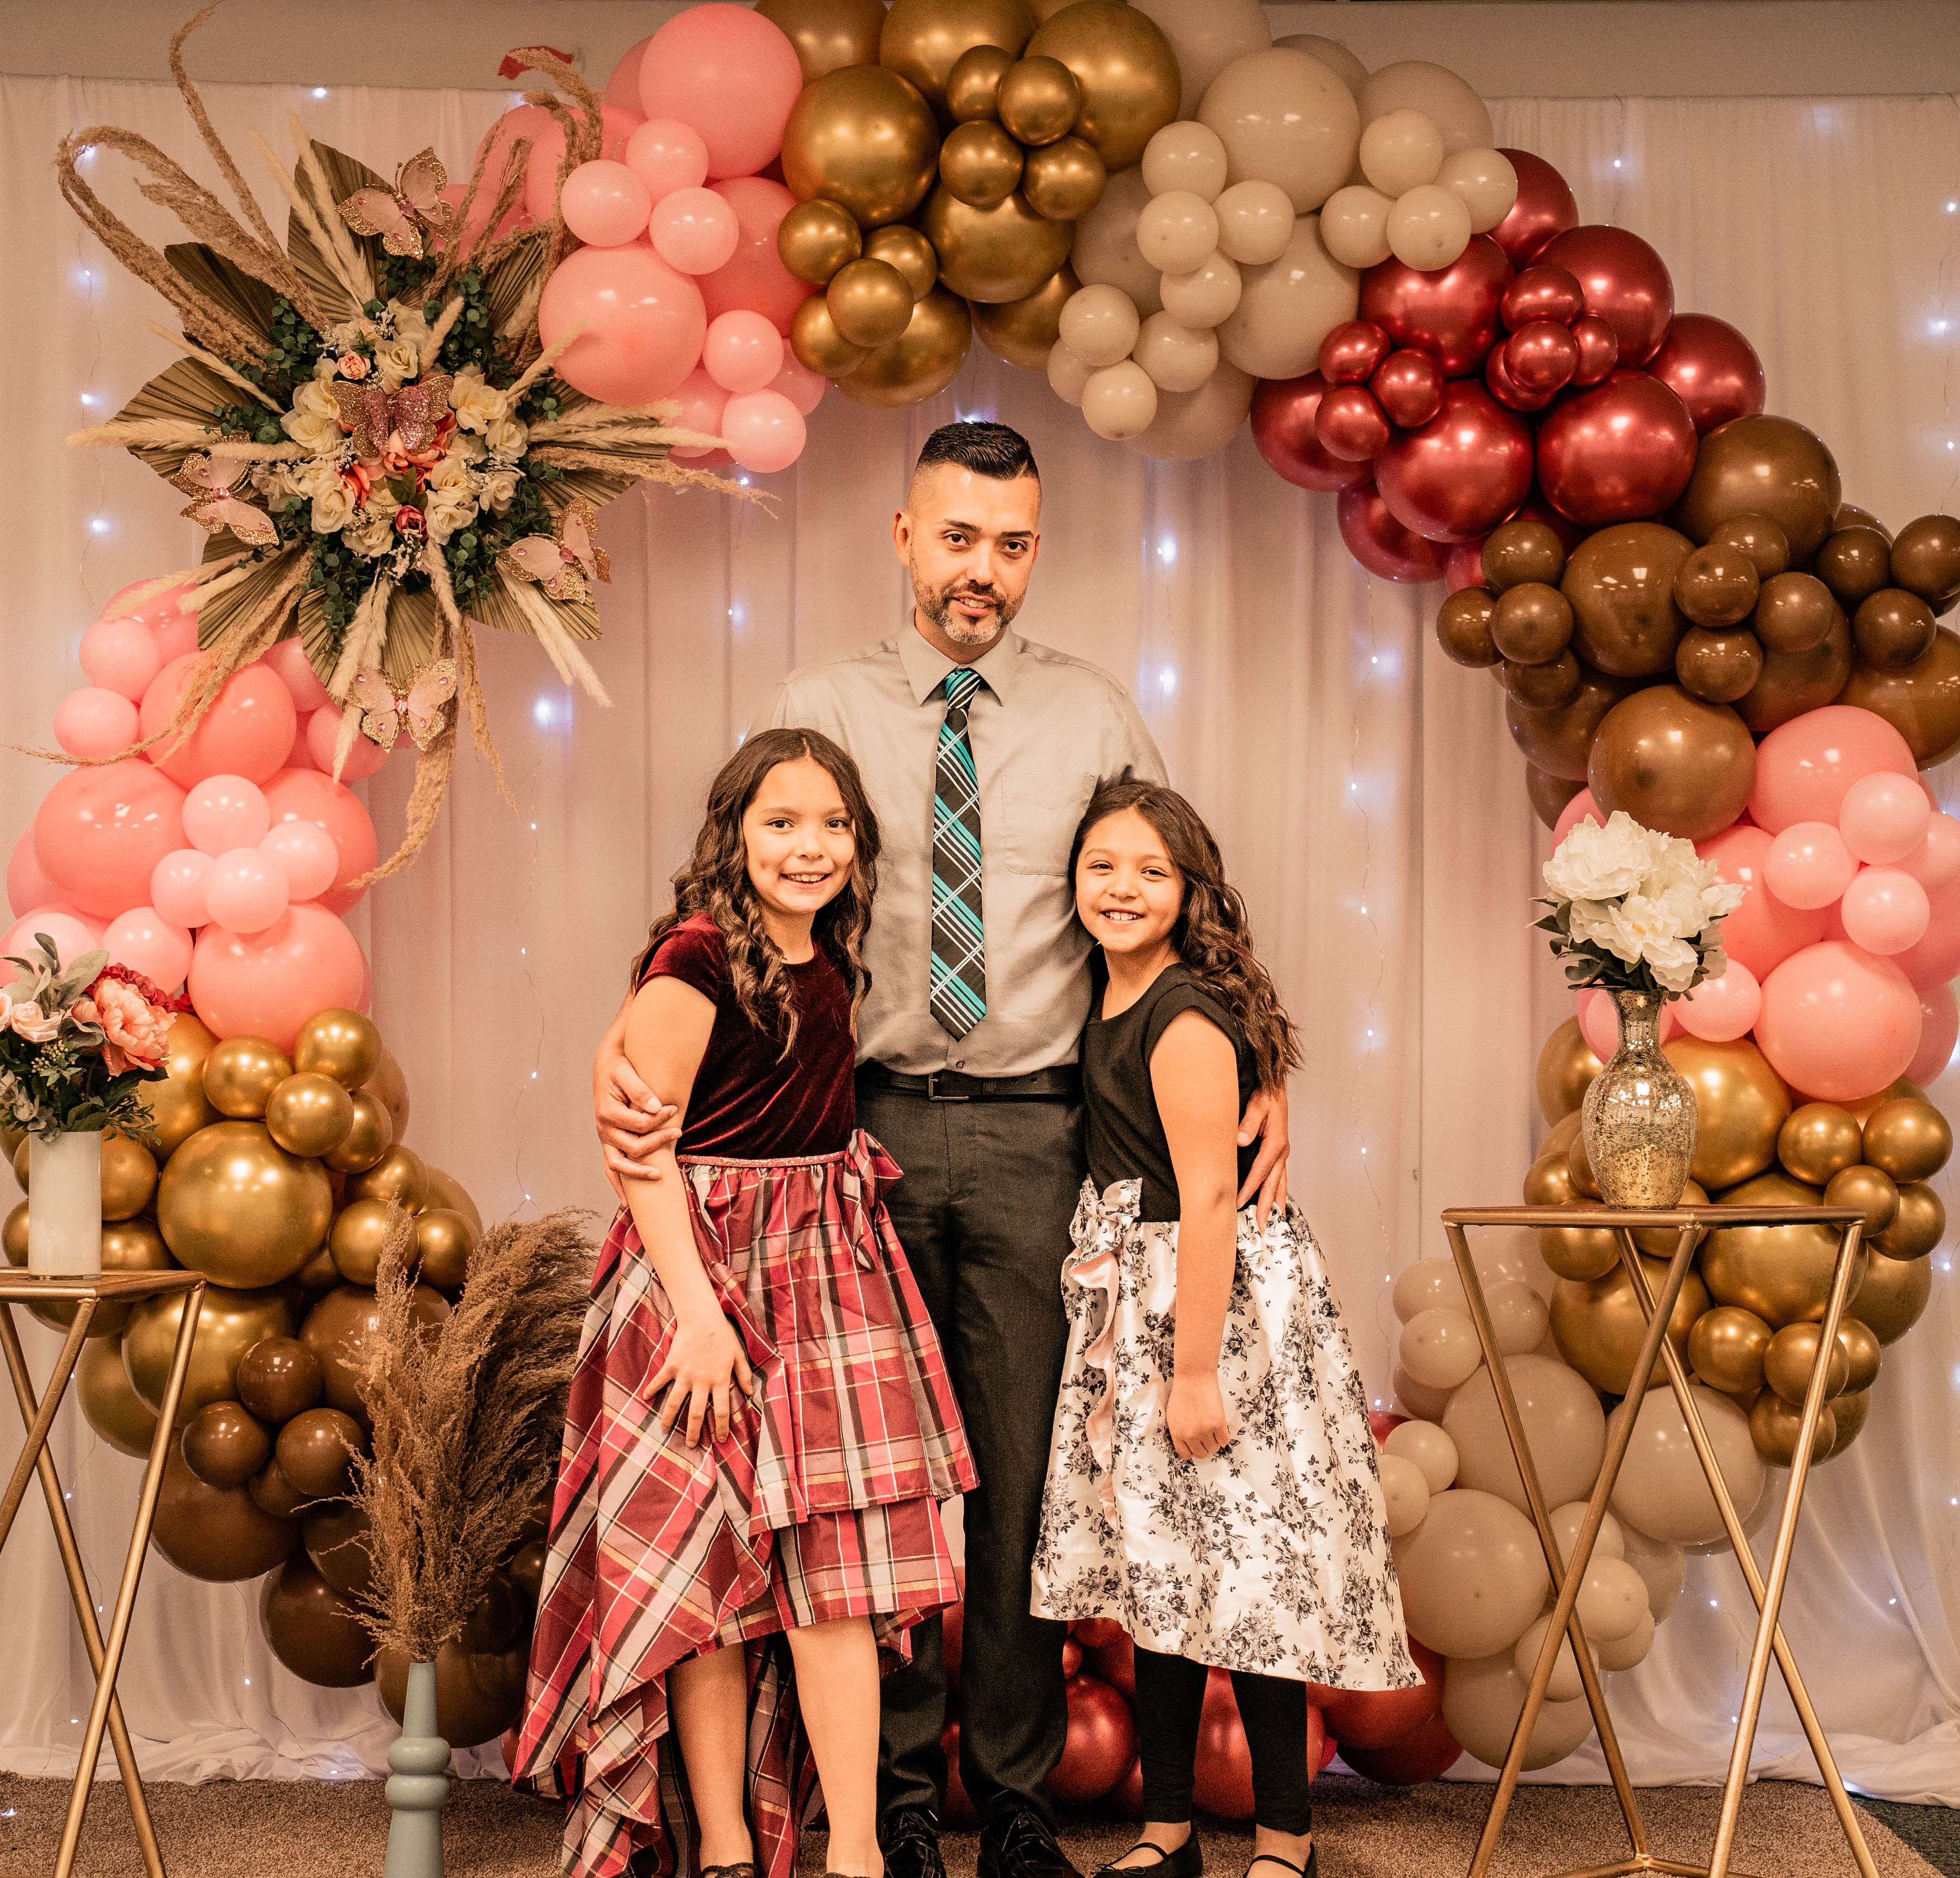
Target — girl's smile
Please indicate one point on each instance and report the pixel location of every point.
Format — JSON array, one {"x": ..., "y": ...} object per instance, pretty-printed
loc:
[{"x": 1128, "y": 893}]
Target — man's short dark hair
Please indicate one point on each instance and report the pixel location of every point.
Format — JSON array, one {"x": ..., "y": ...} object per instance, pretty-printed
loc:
[{"x": 987, "y": 450}]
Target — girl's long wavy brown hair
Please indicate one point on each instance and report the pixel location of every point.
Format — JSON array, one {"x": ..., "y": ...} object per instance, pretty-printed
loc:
[
  {"x": 715, "y": 881},
  {"x": 1213, "y": 937}
]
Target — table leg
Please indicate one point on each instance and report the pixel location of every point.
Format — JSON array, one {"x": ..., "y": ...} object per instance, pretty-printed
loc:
[
  {"x": 132, "y": 1572},
  {"x": 84, "y": 1604},
  {"x": 37, "y": 1430}
]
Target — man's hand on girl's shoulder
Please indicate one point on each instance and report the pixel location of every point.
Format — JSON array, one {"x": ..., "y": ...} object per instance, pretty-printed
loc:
[{"x": 1265, "y": 1121}]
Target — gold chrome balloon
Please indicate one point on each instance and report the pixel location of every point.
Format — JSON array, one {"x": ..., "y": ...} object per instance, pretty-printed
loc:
[
  {"x": 924, "y": 39},
  {"x": 827, "y": 33},
  {"x": 1894, "y": 1295},
  {"x": 1548, "y": 1182},
  {"x": 23, "y": 1165},
  {"x": 128, "y": 1177},
  {"x": 1566, "y": 1067},
  {"x": 1039, "y": 101},
  {"x": 176, "y": 1106},
  {"x": 864, "y": 138},
  {"x": 342, "y": 1044},
  {"x": 1579, "y": 1253},
  {"x": 1129, "y": 76},
  {"x": 996, "y": 254},
  {"x": 241, "y": 1073},
  {"x": 1848, "y": 1413},
  {"x": 1064, "y": 181},
  {"x": 1743, "y": 1104},
  {"x": 921, "y": 362},
  {"x": 1862, "y": 1352},
  {"x": 910, "y": 252},
  {"x": 816, "y": 238},
  {"x": 1792, "y": 1358},
  {"x": 368, "y": 1138},
  {"x": 973, "y": 86},
  {"x": 310, "y": 1115},
  {"x": 1560, "y": 1136},
  {"x": 127, "y": 1246},
  {"x": 1782, "y": 1273},
  {"x": 1579, "y": 1163},
  {"x": 390, "y": 1088},
  {"x": 980, "y": 163},
  {"x": 444, "y": 1241},
  {"x": 1819, "y": 1139},
  {"x": 1023, "y": 332},
  {"x": 14, "y": 1235},
  {"x": 818, "y": 345},
  {"x": 1869, "y": 1189},
  {"x": 1726, "y": 1347},
  {"x": 1918, "y": 1226},
  {"x": 1599, "y": 1326},
  {"x": 228, "y": 1325},
  {"x": 1774, "y": 1426},
  {"x": 398, "y": 1176},
  {"x": 447, "y": 1192},
  {"x": 1909, "y": 1139},
  {"x": 1658, "y": 1242},
  {"x": 869, "y": 303},
  {"x": 359, "y": 1236},
  {"x": 234, "y": 1204},
  {"x": 109, "y": 1404}
]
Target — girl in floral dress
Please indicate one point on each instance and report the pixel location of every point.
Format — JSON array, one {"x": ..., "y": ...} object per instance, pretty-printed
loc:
[
  {"x": 1212, "y": 1484},
  {"x": 760, "y": 1426}
]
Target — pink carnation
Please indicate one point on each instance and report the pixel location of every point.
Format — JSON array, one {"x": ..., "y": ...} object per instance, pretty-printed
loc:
[{"x": 137, "y": 1033}]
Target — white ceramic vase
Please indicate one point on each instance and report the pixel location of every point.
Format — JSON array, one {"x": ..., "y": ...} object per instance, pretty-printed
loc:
[{"x": 65, "y": 1204}]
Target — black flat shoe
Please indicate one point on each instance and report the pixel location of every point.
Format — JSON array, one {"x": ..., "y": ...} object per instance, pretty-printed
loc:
[
  {"x": 1188, "y": 1861},
  {"x": 908, "y": 1837},
  {"x": 1273, "y": 1858}
]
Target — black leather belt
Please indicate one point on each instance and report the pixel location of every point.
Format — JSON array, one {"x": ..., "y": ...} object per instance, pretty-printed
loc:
[{"x": 1062, "y": 1084}]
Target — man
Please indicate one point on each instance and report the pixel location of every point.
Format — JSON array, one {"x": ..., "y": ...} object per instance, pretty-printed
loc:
[{"x": 979, "y": 750}]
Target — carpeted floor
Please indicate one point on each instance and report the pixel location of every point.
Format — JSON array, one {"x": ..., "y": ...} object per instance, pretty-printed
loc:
[{"x": 305, "y": 1829}]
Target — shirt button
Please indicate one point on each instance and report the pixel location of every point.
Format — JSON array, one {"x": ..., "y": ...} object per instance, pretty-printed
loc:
[{"x": 959, "y": 1062}]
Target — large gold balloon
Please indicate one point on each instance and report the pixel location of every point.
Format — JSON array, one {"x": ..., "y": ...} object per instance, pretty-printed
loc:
[
  {"x": 1763, "y": 465},
  {"x": 336, "y": 1331},
  {"x": 279, "y": 1378},
  {"x": 1023, "y": 332},
  {"x": 1894, "y": 1295},
  {"x": 1847, "y": 1413},
  {"x": 390, "y": 1088},
  {"x": 1559, "y": 741},
  {"x": 1599, "y": 1326},
  {"x": 910, "y": 252},
  {"x": 818, "y": 345},
  {"x": 177, "y": 1107},
  {"x": 444, "y": 1242},
  {"x": 1039, "y": 101},
  {"x": 1548, "y": 1182},
  {"x": 921, "y": 362},
  {"x": 1782, "y": 1273},
  {"x": 368, "y": 1137},
  {"x": 1875, "y": 1193},
  {"x": 228, "y": 1324},
  {"x": 1774, "y": 1426},
  {"x": 1791, "y": 1359},
  {"x": 1129, "y": 76},
  {"x": 235, "y": 1205},
  {"x": 1819, "y": 1139},
  {"x": 1064, "y": 181},
  {"x": 109, "y": 1404},
  {"x": 924, "y": 39},
  {"x": 1919, "y": 1225},
  {"x": 865, "y": 138},
  {"x": 342, "y": 1044},
  {"x": 398, "y": 1176},
  {"x": 1566, "y": 1067},
  {"x": 14, "y": 1235},
  {"x": 1741, "y": 1105},
  {"x": 359, "y": 1235},
  {"x": 310, "y": 1115},
  {"x": 1726, "y": 1347},
  {"x": 128, "y": 1177},
  {"x": 980, "y": 163},
  {"x": 996, "y": 254},
  {"x": 1862, "y": 1352},
  {"x": 1578, "y": 1254},
  {"x": 216, "y": 1533},
  {"x": 224, "y": 1445},
  {"x": 132, "y": 1245},
  {"x": 315, "y": 1630},
  {"x": 828, "y": 33},
  {"x": 1910, "y": 1140},
  {"x": 1658, "y": 1242},
  {"x": 241, "y": 1073},
  {"x": 815, "y": 239},
  {"x": 1579, "y": 1165},
  {"x": 869, "y": 303},
  {"x": 1560, "y": 1135},
  {"x": 447, "y": 1192},
  {"x": 316, "y": 1451},
  {"x": 973, "y": 86},
  {"x": 1673, "y": 762},
  {"x": 1620, "y": 582}
]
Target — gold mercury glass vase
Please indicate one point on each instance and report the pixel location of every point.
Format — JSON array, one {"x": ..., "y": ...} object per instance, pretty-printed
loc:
[{"x": 1639, "y": 1116}]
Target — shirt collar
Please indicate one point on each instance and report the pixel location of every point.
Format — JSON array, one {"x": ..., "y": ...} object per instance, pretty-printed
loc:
[{"x": 926, "y": 668}]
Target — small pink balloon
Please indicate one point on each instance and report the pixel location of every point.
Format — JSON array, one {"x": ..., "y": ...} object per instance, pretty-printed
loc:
[
  {"x": 754, "y": 277},
  {"x": 1599, "y": 1022},
  {"x": 305, "y": 795},
  {"x": 289, "y": 660},
  {"x": 146, "y": 942},
  {"x": 322, "y": 731},
  {"x": 1575, "y": 812},
  {"x": 1938, "y": 1030},
  {"x": 99, "y": 832},
  {"x": 222, "y": 812},
  {"x": 1885, "y": 910},
  {"x": 666, "y": 155},
  {"x": 72, "y": 936},
  {"x": 268, "y": 984},
  {"x": 177, "y": 637},
  {"x": 246, "y": 732},
  {"x": 1937, "y": 957},
  {"x": 175, "y": 629},
  {"x": 1803, "y": 768},
  {"x": 798, "y": 384},
  {"x": 541, "y": 183},
  {"x": 306, "y": 852},
  {"x": 1762, "y": 932},
  {"x": 742, "y": 352},
  {"x": 1837, "y": 1023},
  {"x": 764, "y": 431},
  {"x": 246, "y": 890},
  {"x": 27, "y": 887},
  {"x": 176, "y": 887},
  {"x": 1884, "y": 816},
  {"x": 701, "y": 403},
  {"x": 1936, "y": 859},
  {"x": 1808, "y": 864},
  {"x": 694, "y": 230},
  {"x": 121, "y": 655},
  {"x": 95, "y": 721},
  {"x": 645, "y": 323},
  {"x": 606, "y": 203},
  {"x": 732, "y": 74},
  {"x": 1720, "y": 1010}
]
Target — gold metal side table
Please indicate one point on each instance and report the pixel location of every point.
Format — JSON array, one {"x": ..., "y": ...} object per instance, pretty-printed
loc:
[
  {"x": 89, "y": 1295},
  {"x": 1689, "y": 1222}
]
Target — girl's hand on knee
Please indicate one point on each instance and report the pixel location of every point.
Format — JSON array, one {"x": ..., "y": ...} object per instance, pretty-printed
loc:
[
  {"x": 704, "y": 1361},
  {"x": 1195, "y": 1416}
]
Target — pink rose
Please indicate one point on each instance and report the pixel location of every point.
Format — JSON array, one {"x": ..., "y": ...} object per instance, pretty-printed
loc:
[
  {"x": 137, "y": 1033},
  {"x": 409, "y": 520},
  {"x": 31, "y": 1026},
  {"x": 353, "y": 365}
]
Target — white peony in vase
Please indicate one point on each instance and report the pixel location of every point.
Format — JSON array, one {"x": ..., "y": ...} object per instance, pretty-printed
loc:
[{"x": 65, "y": 1204}]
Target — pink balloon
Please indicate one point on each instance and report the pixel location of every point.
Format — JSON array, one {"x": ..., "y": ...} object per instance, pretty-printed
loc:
[
  {"x": 289, "y": 660},
  {"x": 246, "y": 890},
  {"x": 701, "y": 403},
  {"x": 100, "y": 831},
  {"x": 729, "y": 73},
  {"x": 300, "y": 757},
  {"x": 121, "y": 655},
  {"x": 72, "y": 936},
  {"x": 1937, "y": 957},
  {"x": 623, "y": 88},
  {"x": 27, "y": 887},
  {"x": 175, "y": 629},
  {"x": 645, "y": 322},
  {"x": 798, "y": 384},
  {"x": 742, "y": 351},
  {"x": 1720, "y": 1010},
  {"x": 1808, "y": 864},
  {"x": 304, "y": 795},
  {"x": 94, "y": 721},
  {"x": 1763, "y": 931},
  {"x": 1837, "y": 1023},
  {"x": 1804, "y": 768},
  {"x": 306, "y": 852},
  {"x": 755, "y": 277},
  {"x": 246, "y": 732},
  {"x": 323, "y": 734},
  {"x": 694, "y": 230},
  {"x": 541, "y": 183},
  {"x": 606, "y": 203},
  {"x": 764, "y": 431},
  {"x": 146, "y": 942},
  {"x": 222, "y": 812},
  {"x": 1575, "y": 812},
  {"x": 176, "y": 636},
  {"x": 1884, "y": 816},
  {"x": 176, "y": 887},
  {"x": 268, "y": 984},
  {"x": 1936, "y": 859},
  {"x": 1938, "y": 1030},
  {"x": 667, "y": 155},
  {"x": 1885, "y": 910},
  {"x": 1599, "y": 1022}
]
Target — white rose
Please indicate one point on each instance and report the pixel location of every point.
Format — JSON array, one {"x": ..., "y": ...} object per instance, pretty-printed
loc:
[
  {"x": 409, "y": 324},
  {"x": 347, "y": 336},
  {"x": 507, "y": 438},
  {"x": 322, "y": 472},
  {"x": 397, "y": 362},
  {"x": 477, "y": 406},
  {"x": 332, "y": 509},
  {"x": 448, "y": 511},
  {"x": 451, "y": 473},
  {"x": 316, "y": 398},
  {"x": 325, "y": 367},
  {"x": 371, "y": 532},
  {"x": 319, "y": 435},
  {"x": 276, "y": 482},
  {"x": 499, "y": 490},
  {"x": 471, "y": 449},
  {"x": 1594, "y": 863}
]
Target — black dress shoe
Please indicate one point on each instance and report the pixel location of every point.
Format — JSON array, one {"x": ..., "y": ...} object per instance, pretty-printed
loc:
[
  {"x": 1188, "y": 1861},
  {"x": 1017, "y": 1842},
  {"x": 1273, "y": 1858},
  {"x": 908, "y": 1837}
]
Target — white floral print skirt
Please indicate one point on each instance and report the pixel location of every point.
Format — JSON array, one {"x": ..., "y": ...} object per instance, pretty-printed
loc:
[{"x": 1271, "y": 1556}]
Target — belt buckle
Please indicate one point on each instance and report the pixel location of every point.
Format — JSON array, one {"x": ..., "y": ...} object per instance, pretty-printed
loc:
[{"x": 932, "y": 1089}]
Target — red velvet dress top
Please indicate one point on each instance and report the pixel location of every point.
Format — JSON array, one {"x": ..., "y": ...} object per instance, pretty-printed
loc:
[{"x": 750, "y": 1101}]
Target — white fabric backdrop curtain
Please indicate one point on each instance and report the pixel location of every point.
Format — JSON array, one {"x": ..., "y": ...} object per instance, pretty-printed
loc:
[{"x": 1367, "y": 797}]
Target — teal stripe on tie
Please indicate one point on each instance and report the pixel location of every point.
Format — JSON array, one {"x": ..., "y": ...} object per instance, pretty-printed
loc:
[{"x": 957, "y": 979}]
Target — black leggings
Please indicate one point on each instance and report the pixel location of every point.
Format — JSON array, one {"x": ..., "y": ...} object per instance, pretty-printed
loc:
[{"x": 1170, "y": 1699}]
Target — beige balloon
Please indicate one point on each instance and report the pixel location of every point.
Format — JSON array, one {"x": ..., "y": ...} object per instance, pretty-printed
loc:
[
  {"x": 1354, "y": 226},
  {"x": 1175, "y": 232},
  {"x": 1663, "y": 1568},
  {"x": 1406, "y": 1492},
  {"x": 1289, "y": 307},
  {"x": 1519, "y": 1315},
  {"x": 1565, "y": 1685},
  {"x": 1483, "y": 1701},
  {"x": 1430, "y": 1447},
  {"x": 1205, "y": 297},
  {"x": 1284, "y": 118},
  {"x": 1445, "y": 100},
  {"x": 1662, "y": 1490},
  {"x": 1190, "y": 425},
  {"x": 1256, "y": 222},
  {"x": 1439, "y": 1348},
  {"x": 1400, "y": 149},
  {"x": 1104, "y": 252},
  {"x": 1428, "y": 1284},
  {"x": 1119, "y": 401},
  {"x": 1564, "y": 1424},
  {"x": 1412, "y": 1399},
  {"x": 1332, "y": 54},
  {"x": 1612, "y": 1599},
  {"x": 1429, "y": 227},
  {"x": 1100, "y": 325},
  {"x": 1473, "y": 1577},
  {"x": 1187, "y": 156},
  {"x": 1207, "y": 37},
  {"x": 1486, "y": 181},
  {"x": 1178, "y": 358},
  {"x": 1611, "y": 1542},
  {"x": 1066, "y": 374}
]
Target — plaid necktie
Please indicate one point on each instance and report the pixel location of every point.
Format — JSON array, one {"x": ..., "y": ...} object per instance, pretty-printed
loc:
[{"x": 958, "y": 990}]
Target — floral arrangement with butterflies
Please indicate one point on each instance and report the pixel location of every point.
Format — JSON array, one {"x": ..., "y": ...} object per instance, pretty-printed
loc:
[{"x": 369, "y": 429}]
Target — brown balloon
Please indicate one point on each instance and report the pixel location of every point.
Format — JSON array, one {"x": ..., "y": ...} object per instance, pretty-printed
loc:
[
  {"x": 500, "y": 1615},
  {"x": 1908, "y": 1138},
  {"x": 1717, "y": 585},
  {"x": 316, "y": 1452},
  {"x": 1850, "y": 517},
  {"x": 1761, "y": 539},
  {"x": 828, "y": 33},
  {"x": 865, "y": 138},
  {"x": 1848, "y": 1414},
  {"x": 1464, "y": 625},
  {"x": 1782, "y": 1273},
  {"x": 1922, "y": 702},
  {"x": 816, "y": 238},
  {"x": 1544, "y": 687},
  {"x": 218, "y": 1534},
  {"x": 1854, "y": 563},
  {"x": 1762, "y": 465},
  {"x": 228, "y": 1323},
  {"x": 1064, "y": 179},
  {"x": 1566, "y": 1068},
  {"x": 973, "y": 85},
  {"x": 1818, "y": 1140},
  {"x": 1517, "y": 551},
  {"x": 336, "y": 1331},
  {"x": 1024, "y": 331},
  {"x": 1919, "y": 1225},
  {"x": 1599, "y": 1326},
  {"x": 1039, "y": 100},
  {"x": 1548, "y": 794},
  {"x": 910, "y": 252},
  {"x": 371, "y": 1134},
  {"x": 342, "y": 1044},
  {"x": 1794, "y": 682},
  {"x": 476, "y": 1697},
  {"x": 1791, "y": 1360},
  {"x": 241, "y": 1073},
  {"x": 446, "y": 1191},
  {"x": 1926, "y": 558},
  {"x": 1893, "y": 1296},
  {"x": 109, "y": 1404},
  {"x": 444, "y": 1242},
  {"x": 924, "y": 39},
  {"x": 818, "y": 345},
  {"x": 1726, "y": 1347},
  {"x": 1560, "y": 741},
  {"x": 1743, "y": 1105},
  {"x": 272, "y": 1492},
  {"x": 1873, "y": 1193},
  {"x": 996, "y": 254},
  {"x": 224, "y": 1446},
  {"x": 398, "y": 1176},
  {"x": 527, "y": 1568},
  {"x": 310, "y": 1115},
  {"x": 1718, "y": 667},
  {"x": 315, "y": 1630},
  {"x": 1532, "y": 624},
  {"x": 132, "y": 1245},
  {"x": 236, "y": 1206},
  {"x": 1862, "y": 1353},
  {"x": 128, "y": 1177},
  {"x": 1621, "y": 583},
  {"x": 176, "y": 1106},
  {"x": 869, "y": 303},
  {"x": 922, "y": 361},
  {"x": 337, "y": 1535},
  {"x": 1794, "y": 613},
  {"x": 1129, "y": 76},
  {"x": 1774, "y": 1426},
  {"x": 1673, "y": 762},
  {"x": 1892, "y": 630},
  {"x": 981, "y": 164},
  {"x": 278, "y": 1378}
]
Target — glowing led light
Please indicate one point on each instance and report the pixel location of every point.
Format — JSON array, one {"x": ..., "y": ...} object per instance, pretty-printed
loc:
[
  {"x": 1364, "y": 912},
  {"x": 83, "y": 277},
  {"x": 1937, "y": 326},
  {"x": 1952, "y": 207},
  {"x": 743, "y": 480},
  {"x": 1617, "y": 165},
  {"x": 320, "y": 91},
  {"x": 1167, "y": 680},
  {"x": 1167, "y": 550},
  {"x": 88, "y": 399},
  {"x": 98, "y": 524}
]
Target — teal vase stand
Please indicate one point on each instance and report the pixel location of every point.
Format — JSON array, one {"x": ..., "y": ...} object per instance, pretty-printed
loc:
[{"x": 418, "y": 1783}]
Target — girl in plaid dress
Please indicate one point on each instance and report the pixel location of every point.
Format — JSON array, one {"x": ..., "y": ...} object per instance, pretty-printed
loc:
[{"x": 760, "y": 1426}]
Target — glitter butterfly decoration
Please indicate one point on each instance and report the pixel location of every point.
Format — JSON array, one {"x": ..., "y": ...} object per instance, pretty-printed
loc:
[
  {"x": 387, "y": 711},
  {"x": 209, "y": 476},
  {"x": 401, "y": 216},
  {"x": 564, "y": 564},
  {"x": 413, "y": 415}
]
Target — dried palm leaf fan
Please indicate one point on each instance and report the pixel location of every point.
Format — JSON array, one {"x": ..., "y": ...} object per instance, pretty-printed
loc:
[{"x": 370, "y": 429}]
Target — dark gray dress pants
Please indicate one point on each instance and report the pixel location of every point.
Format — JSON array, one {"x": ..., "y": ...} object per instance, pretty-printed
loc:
[{"x": 983, "y": 1213}]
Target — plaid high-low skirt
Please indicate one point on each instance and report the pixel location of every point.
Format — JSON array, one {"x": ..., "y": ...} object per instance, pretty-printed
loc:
[{"x": 822, "y": 1502}]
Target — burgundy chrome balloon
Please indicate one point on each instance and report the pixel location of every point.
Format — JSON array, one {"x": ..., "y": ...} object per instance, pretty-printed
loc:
[
  {"x": 1599, "y": 349},
  {"x": 1350, "y": 424},
  {"x": 1380, "y": 543},
  {"x": 1350, "y": 353},
  {"x": 1540, "y": 356},
  {"x": 1410, "y": 386},
  {"x": 1505, "y": 389},
  {"x": 1545, "y": 209},
  {"x": 1461, "y": 473},
  {"x": 1620, "y": 452},
  {"x": 1542, "y": 293},
  {"x": 1452, "y": 312},
  {"x": 1712, "y": 367},
  {"x": 1284, "y": 410},
  {"x": 1626, "y": 284}
]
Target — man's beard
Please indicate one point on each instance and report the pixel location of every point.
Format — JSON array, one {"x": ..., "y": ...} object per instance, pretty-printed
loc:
[{"x": 937, "y": 605}]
